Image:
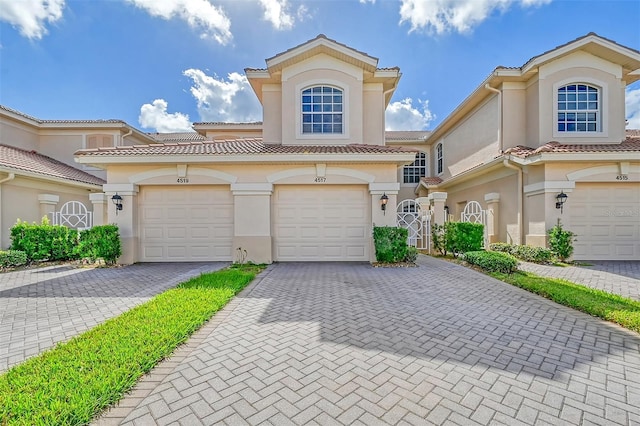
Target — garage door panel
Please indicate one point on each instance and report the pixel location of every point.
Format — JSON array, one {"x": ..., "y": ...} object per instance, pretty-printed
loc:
[
  {"x": 321, "y": 223},
  {"x": 602, "y": 217},
  {"x": 186, "y": 224}
]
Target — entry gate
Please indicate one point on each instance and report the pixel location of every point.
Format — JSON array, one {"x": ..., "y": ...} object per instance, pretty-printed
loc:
[
  {"x": 417, "y": 222},
  {"x": 73, "y": 214}
]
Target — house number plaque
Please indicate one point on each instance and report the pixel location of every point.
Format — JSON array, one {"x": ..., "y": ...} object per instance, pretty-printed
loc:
[
  {"x": 182, "y": 180},
  {"x": 320, "y": 179}
]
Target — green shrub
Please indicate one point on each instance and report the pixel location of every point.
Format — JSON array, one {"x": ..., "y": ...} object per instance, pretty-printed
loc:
[
  {"x": 44, "y": 241},
  {"x": 502, "y": 247},
  {"x": 412, "y": 255},
  {"x": 462, "y": 237},
  {"x": 439, "y": 237},
  {"x": 100, "y": 242},
  {"x": 533, "y": 254},
  {"x": 390, "y": 243},
  {"x": 561, "y": 241},
  {"x": 11, "y": 258},
  {"x": 492, "y": 261}
]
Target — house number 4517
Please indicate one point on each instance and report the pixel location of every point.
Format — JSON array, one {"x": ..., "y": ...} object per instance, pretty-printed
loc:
[{"x": 320, "y": 179}]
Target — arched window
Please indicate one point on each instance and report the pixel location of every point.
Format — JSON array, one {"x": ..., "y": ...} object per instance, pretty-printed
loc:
[
  {"x": 439, "y": 159},
  {"x": 414, "y": 171},
  {"x": 322, "y": 110},
  {"x": 578, "y": 108}
]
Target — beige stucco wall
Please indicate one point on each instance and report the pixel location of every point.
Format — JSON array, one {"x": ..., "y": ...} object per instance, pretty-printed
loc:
[
  {"x": 18, "y": 134},
  {"x": 19, "y": 200},
  {"x": 322, "y": 69},
  {"x": 532, "y": 131},
  {"x": 272, "y": 113},
  {"x": 373, "y": 114},
  {"x": 514, "y": 115},
  {"x": 472, "y": 142}
]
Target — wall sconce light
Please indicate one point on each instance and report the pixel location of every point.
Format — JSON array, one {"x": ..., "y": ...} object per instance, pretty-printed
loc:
[
  {"x": 561, "y": 198},
  {"x": 446, "y": 213},
  {"x": 383, "y": 203},
  {"x": 117, "y": 200}
]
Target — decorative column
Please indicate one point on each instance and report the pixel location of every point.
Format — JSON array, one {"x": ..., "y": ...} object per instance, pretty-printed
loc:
[
  {"x": 126, "y": 219},
  {"x": 493, "y": 215},
  {"x": 252, "y": 222},
  {"x": 48, "y": 204},
  {"x": 439, "y": 199},
  {"x": 386, "y": 217},
  {"x": 99, "y": 201}
]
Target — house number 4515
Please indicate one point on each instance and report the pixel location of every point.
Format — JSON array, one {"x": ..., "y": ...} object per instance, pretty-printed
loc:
[{"x": 622, "y": 177}]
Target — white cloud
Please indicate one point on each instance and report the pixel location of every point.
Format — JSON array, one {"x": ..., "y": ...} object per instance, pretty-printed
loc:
[
  {"x": 31, "y": 16},
  {"x": 632, "y": 106},
  {"x": 230, "y": 100},
  {"x": 201, "y": 15},
  {"x": 276, "y": 12},
  {"x": 402, "y": 115},
  {"x": 367, "y": 1},
  {"x": 441, "y": 16},
  {"x": 155, "y": 116}
]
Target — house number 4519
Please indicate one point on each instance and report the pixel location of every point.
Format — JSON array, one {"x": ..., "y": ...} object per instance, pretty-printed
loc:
[{"x": 182, "y": 180}]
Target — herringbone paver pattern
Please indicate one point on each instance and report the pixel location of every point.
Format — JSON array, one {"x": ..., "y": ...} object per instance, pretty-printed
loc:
[
  {"x": 617, "y": 277},
  {"x": 323, "y": 344},
  {"x": 41, "y": 307}
]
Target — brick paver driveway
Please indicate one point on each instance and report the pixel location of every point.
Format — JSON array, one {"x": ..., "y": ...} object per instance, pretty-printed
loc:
[
  {"x": 352, "y": 344},
  {"x": 41, "y": 307}
]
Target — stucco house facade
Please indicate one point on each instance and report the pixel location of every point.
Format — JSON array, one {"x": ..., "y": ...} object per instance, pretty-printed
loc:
[{"x": 306, "y": 183}]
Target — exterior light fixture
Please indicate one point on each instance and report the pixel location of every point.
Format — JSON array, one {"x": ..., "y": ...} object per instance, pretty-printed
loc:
[
  {"x": 561, "y": 198},
  {"x": 117, "y": 201},
  {"x": 446, "y": 213},
  {"x": 383, "y": 203}
]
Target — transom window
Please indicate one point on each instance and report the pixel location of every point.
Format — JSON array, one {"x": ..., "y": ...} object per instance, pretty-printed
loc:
[
  {"x": 439, "y": 157},
  {"x": 322, "y": 110},
  {"x": 578, "y": 108},
  {"x": 416, "y": 170}
]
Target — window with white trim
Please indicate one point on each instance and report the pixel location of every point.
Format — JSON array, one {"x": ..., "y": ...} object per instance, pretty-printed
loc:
[
  {"x": 578, "y": 108},
  {"x": 439, "y": 159},
  {"x": 414, "y": 171},
  {"x": 322, "y": 110}
]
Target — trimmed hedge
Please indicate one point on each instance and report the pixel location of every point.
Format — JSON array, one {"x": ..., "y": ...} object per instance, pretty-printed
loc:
[
  {"x": 390, "y": 243},
  {"x": 100, "y": 242},
  {"x": 492, "y": 261},
  {"x": 11, "y": 258},
  {"x": 457, "y": 237},
  {"x": 525, "y": 252}
]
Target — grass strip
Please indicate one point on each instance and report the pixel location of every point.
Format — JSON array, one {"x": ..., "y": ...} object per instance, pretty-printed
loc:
[
  {"x": 75, "y": 381},
  {"x": 611, "y": 307}
]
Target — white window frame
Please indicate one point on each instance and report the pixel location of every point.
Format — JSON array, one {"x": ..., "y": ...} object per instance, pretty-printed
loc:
[
  {"x": 603, "y": 116},
  {"x": 439, "y": 159},
  {"x": 423, "y": 172},
  {"x": 345, "y": 109}
]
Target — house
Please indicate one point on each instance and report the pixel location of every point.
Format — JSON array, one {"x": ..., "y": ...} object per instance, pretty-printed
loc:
[
  {"x": 308, "y": 182},
  {"x": 555, "y": 125},
  {"x": 38, "y": 174}
]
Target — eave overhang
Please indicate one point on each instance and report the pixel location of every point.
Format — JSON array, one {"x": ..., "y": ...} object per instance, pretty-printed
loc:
[{"x": 40, "y": 176}]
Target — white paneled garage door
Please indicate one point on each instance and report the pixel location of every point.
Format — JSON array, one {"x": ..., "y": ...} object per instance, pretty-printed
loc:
[
  {"x": 179, "y": 224},
  {"x": 606, "y": 220},
  {"x": 321, "y": 223}
]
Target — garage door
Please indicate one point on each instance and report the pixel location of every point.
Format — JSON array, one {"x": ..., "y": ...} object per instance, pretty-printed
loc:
[
  {"x": 328, "y": 223},
  {"x": 606, "y": 221},
  {"x": 179, "y": 224}
]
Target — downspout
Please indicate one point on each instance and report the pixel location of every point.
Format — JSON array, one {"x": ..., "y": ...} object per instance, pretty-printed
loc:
[
  {"x": 512, "y": 166},
  {"x": 124, "y": 136},
  {"x": 11, "y": 176},
  {"x": 499, "y": 92}
]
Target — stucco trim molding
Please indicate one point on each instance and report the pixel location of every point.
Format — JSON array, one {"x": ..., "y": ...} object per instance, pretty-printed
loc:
[
  {"x": 120, "y": 188},
  {"x": 312, "y": 171},
  {"x": 622, "y": 168},
  {"x": 260, "y": 188},
  {"x": 379, "y": 188},
  {"x": 48, "y": 199},
  {"x": 140, "y": 178},
  {"x": 549, "y": 186}
]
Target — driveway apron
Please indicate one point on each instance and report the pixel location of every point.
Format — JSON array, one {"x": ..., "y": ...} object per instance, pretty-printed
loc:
[
  {"x": 42, "y": 307},
  {"x": 339, "y": 343}
]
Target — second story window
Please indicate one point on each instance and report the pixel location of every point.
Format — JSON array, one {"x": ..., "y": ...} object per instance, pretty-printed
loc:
[
  {"x": 439, "y": 158},
  {"x": 322, "y": 110},
  {"x": 413, "y": 172},
  {"x": 578, "y": 108}
]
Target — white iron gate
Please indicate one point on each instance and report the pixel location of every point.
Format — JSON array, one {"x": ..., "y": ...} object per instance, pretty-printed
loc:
[
  {"x": 473, "y": 213},
  {"x": 73, "y": 214},
  {"x": 417, "y": 222}
]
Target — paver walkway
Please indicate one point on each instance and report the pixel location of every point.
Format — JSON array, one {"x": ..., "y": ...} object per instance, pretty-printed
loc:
[
  {"x": 321, "y": 344},
  {"x": 41, "y": 307},
  {"x": 617, "y": 277}
]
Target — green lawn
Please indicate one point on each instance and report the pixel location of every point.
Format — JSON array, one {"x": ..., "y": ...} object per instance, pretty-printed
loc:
[
  {"x": 75, "y": 381},
  {"x": 611, "y": 307}
]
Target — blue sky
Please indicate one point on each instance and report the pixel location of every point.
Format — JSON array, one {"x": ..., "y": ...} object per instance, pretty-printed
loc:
[{"x": 161, "y": 65}]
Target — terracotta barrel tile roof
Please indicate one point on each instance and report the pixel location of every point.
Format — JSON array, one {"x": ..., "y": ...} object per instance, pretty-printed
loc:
[
  {"x": 249, "y": 146},
  {"x": 30, "y": 161},
  {"x": 177, "y": 137},
  {"x": 431, "y": 180},
  {"x": 630, "y": 144}
]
